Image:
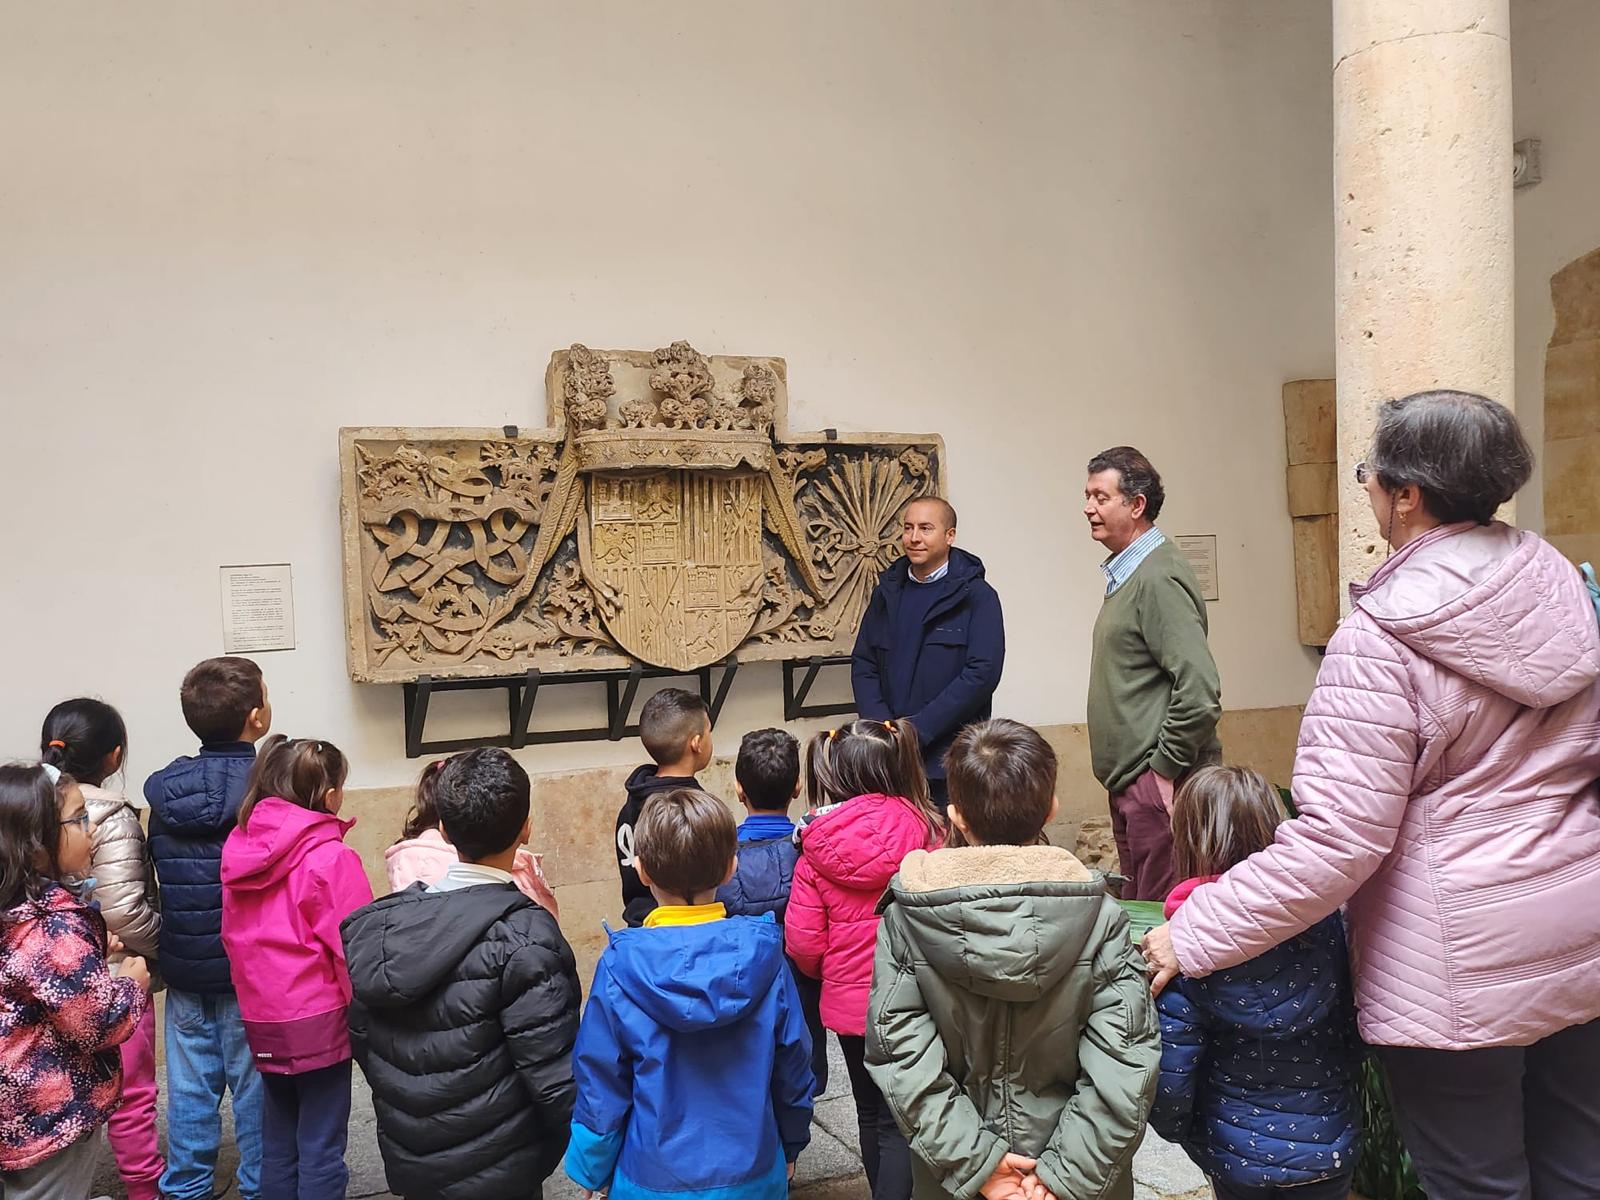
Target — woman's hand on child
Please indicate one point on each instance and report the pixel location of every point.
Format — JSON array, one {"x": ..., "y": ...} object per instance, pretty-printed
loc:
[
  {"x": 1160, "y": 958},
  {"x": 135, "y": 969},
  {"x": 114, "y": 945},
  {"x": 1013, "y": 1179}
]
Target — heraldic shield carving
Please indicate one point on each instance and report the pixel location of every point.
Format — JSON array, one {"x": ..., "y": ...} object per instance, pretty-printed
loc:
[{"x": 667, "y": 517}]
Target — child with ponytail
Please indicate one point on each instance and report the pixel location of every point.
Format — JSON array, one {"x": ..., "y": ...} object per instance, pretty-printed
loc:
[
  {"x": 288, "y": 880},
  {"x": 64, "y": 1008},
  {"x": 872, "y": 808},
  {"x": 423, "y": 854},
  {"x": 86, "y": 739}
]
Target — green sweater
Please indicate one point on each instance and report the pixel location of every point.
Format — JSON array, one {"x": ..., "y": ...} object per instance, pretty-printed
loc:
[{"x": 1154, "y": 696}]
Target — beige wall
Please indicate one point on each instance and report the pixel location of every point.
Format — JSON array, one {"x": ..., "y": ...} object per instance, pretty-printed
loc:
[
  {"x": 575, "y": 813},
  {"x": 1557, "y": 94},
  {"x": 1038, "y": 227}
]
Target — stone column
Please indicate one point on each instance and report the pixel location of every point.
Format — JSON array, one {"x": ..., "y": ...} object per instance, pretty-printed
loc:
[{"x": 1423, "y": 291}]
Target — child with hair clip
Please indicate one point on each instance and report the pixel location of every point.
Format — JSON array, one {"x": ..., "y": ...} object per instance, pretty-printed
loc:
[
  {"x": 423, "y": 854},
  {"x": 1258, "y": 1061},
  {"x": 288, "y": 880},
  {"x": 872, "y": 808},
  {"x": 87, "y": 739},
  {"x": 64, "y": 1009}
]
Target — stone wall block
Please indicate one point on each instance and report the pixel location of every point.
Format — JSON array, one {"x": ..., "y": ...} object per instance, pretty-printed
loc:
[{"x": 1572, "y": 389}]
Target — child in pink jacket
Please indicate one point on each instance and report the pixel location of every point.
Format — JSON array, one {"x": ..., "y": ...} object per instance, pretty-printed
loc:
[
  {"x": 288, "y": 880},
  {"x": 422, "y": 855},
  {"x": 848, "y": 853}
]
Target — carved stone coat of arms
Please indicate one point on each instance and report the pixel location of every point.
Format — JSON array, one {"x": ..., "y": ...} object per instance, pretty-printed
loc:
[{"x": 666, "y": 517}]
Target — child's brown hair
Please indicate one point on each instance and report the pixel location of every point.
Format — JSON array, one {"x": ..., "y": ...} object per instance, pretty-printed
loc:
[
  {"x": 300, "y": 770},
  {"x": 1220, "y": 817},
  {"x": 218, "y": 696},
  {"x": 685, "y": 839},
  {"x": 1002, "y": 778},
  {"x": 884, "y": 758}
]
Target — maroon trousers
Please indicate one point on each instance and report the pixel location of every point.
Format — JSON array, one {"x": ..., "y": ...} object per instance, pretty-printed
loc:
[{"x": 1143, "y": 832}]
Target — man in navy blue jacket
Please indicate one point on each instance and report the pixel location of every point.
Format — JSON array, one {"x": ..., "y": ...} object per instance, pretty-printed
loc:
[{"x": 933, "y": 639}]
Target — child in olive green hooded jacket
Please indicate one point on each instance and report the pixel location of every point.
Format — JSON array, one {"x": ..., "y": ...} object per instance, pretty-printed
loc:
[{"x": 1010, "y": 1025}]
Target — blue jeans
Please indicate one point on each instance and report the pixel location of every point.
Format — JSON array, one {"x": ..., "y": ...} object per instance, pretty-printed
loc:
[
  {"x": 207, "y": 1052},
  {"x": 304, "y": 1128}
]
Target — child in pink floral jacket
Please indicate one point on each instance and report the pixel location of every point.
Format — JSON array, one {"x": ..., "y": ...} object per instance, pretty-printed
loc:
[{"x": 63, "y": 1012}]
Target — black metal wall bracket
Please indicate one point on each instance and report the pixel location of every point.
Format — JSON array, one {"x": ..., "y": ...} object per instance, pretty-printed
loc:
[
  {"x": 794, "y": 699},
  {"x": 522, "y": 691}
]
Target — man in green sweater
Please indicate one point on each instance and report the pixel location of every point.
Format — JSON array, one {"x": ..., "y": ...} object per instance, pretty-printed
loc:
[{"x": 1154, "y": 696}]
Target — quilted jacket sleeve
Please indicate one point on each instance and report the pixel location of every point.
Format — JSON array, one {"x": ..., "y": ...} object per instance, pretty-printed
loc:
[
  {"x": 539, "y": 986},
  {"x": 1183, "y": 1053},
  {"x": 907, "y": 1060},
  {"x": 1119, "y": 1054},
  {"x": 1354, "y": 773},
  {"x": 124, "y": 883},
  {"x": 805, "y": 921}
]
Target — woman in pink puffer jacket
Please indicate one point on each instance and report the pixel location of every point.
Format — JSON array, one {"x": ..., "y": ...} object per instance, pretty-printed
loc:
[
  {"x": 848, "y": 854},
  {"x": 1445, "y": 781}
]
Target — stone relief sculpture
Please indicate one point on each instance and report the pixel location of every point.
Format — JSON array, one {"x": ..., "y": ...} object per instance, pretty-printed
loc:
[{"x": 666, "y": 517}]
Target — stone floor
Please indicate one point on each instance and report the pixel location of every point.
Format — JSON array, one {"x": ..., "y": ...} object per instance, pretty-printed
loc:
[{"x": 830, "y": 1168}]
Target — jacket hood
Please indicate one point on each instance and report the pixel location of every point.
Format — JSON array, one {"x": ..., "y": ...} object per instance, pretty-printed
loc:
[
  {"x": 861, "y": 843},
  {"x": 1010, "y": 922},
  {"x": 101, "y": 803},
  {"x": 1287, "y": 992},
  {"x": 644, "y": 783},
  {"x": 276, "y": 841},
  {"x": 690, "y": 977},
  {"x": 429, "y": 844},
  {"x": 199, "y": 797},
  {"x": 964, "y": 568},
  {"x": 1499, "y": 606},
  {"x": 434, "y": 932}
]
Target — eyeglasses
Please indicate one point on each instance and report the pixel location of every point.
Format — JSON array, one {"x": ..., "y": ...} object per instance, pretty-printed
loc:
[
  {"x": 81, "y": 821},
  {"x": 1363, "y": 473}
]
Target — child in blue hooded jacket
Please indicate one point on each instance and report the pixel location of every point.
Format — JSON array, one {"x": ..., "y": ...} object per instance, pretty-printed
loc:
[
  {"x": 1258, "y": 1062},
  {"x": 693, "y": 1063}
]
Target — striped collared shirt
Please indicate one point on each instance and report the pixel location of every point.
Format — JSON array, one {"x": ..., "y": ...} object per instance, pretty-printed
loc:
[
  {"x": 933, "y": 576},
  {"x": 1119, "y": 567}
]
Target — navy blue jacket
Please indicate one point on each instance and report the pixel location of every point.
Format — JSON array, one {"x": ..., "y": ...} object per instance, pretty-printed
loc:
[
  {"x": 194, "y": 805},
  {"x": 962, "y": 651},
  {"x": 692, "y": 1066},
  {"x": 761, "y": 882},
  {"x": 1259, "y": 1063}
]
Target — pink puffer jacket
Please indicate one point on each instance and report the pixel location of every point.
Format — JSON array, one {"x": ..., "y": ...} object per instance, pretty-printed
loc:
[
  {"x": 1446, "y": 785},
  {"x": 830, "y": 929}
]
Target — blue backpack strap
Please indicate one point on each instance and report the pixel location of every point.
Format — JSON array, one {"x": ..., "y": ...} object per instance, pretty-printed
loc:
[{"x": 1594, "y": 586}]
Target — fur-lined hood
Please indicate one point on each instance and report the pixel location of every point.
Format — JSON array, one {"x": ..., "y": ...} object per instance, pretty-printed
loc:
[{"x": 1004, "y": 921}]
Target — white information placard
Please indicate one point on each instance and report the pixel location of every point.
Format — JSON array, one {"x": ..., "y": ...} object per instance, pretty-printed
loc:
[
  {"x": 1201, "y": 551},
  {"x": 257, "y": 608}
]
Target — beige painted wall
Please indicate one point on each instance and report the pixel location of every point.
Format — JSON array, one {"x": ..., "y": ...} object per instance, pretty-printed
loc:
[
  {"x": 1557, "y": 94},
  {"x": 575, "y": 813},
  {"x": 1038, "y": 227}
]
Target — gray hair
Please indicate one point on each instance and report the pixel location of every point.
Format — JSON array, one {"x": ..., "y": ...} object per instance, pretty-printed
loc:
[
  {"x": 1465, "y": 453},
  {"x": 1136, "y": 476}
]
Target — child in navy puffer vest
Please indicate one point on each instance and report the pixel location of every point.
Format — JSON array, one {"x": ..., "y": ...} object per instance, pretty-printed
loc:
[{"x": 1258, "y": 1062}]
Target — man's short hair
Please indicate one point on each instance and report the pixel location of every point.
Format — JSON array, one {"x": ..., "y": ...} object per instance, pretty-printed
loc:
[
  {"x": 1136, "y": 476},
  {"x": 685, "y": 838},
  {"x": 482, "y": 798},
  {"x": 768, "y": 768},
  {"x": 217, "y": 696},
  {"x": 668, "y": 720},
  {"x": 946, "y": 510},
  {"x": 1002, "y": 777}
]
